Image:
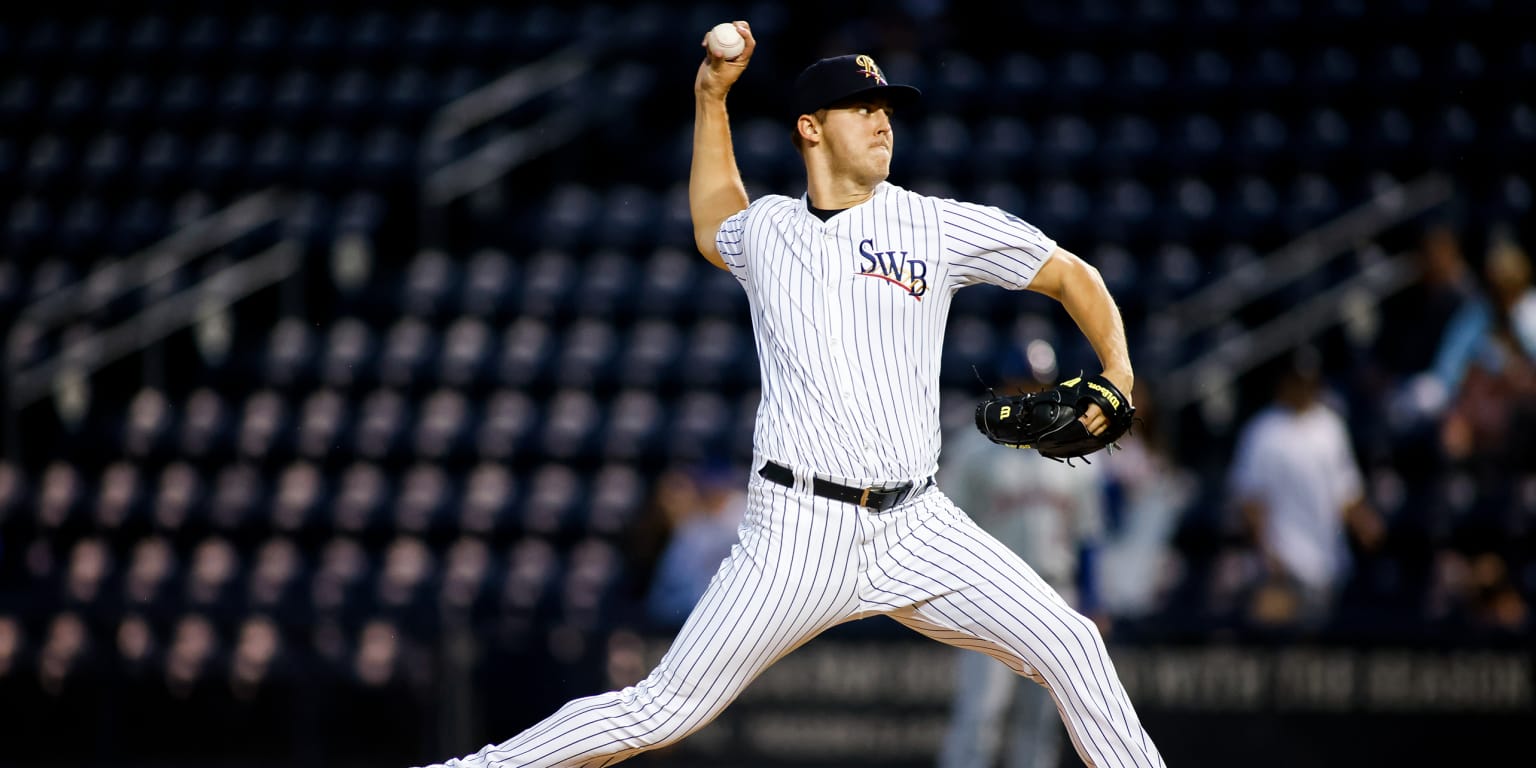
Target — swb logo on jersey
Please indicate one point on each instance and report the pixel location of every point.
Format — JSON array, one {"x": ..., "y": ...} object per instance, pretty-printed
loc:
[{"x": 894, "y": 267}]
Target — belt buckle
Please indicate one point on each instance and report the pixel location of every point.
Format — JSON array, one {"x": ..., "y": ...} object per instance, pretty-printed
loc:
[{"x": 864, "y": 499}]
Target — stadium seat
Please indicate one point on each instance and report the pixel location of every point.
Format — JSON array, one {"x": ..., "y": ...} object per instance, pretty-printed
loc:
[
  {"x": 105, "y": 161},
  {"x": 636, "y": 425},
  {"x": 237, "y": 504},
  {"x": 275, "y": 585},
  {"x": 467, "y": 574},
  {"x": 242, "y": 96},
  {"x": 1206, "y": 70},
  {"x": 274, "y": 156},
  {"x": 314, "y": 38},
  {"x": 609, "y": 282},
  {"x": 630, "y": 213},
  {"x": 554, "y": 498},
  {"x": 119, "y": 508},
  {"x": 205, "y": 425},
  {"x": 220, "y": 157},
  {"x": 178, "y": 496},
  {"x": 338, "y": 590},
  {"x": 69, "y": 101},
  {"x": 651, "y": 353},
  {"x": 371, "y": 33},
  {"x": 87, "y": 574},
  {"x": 700, "y": 425},
  {"x": 150, "y": 577},
  {"x": 489, "y": 504},
  {"x": 15, "y": 491},
  {"x": 213, "y": 579},
  {"x": 59, "y": 496},
  {"x": 65, "y": 648},
  {"x": 329, "y": 158},
  {"x": 359, "y": 504},
  {"x": 669, "y": 276},
  {"x": 1332, "y": 66},
  {"x": 353, "y": 94},
  {"x": 296, "y": 95},
  {"x": 587, "y": 353},
  {"x": 1002, "y": 143},
  {"x": 619, "y": 494},
  {"x": 264, "y": 425},
  {"x": 424, "y": 500},
  {"x": 347, "y": 360},
  {"x": 385, "y": 153},
  {"x": 300, "y": 503},
  {"x": 148, "y": 425},
  {"x": 409, "y": 348},
  {"x": 465, "y": 358},
  {"x": 533, "y": 570},
  {"x": 408, "y": 91},
  {"x": 382, "y": 425},
  {"x": 49, "y": 159},
  {"x": 571, "y": 216},
  {"x": 488, "y": 282},
  {"x": 508, "y": 423},
  {"x": 547, "y": 283},
  {"x": 571, "y": 422},
  {"x": 592, "y": 573},
  {"x": 944, "y": 142},
  {"x": 443, "y": 426},
  {"x": 407, "y": 578},
  {"x": 139, "y": 221},
  {"x": 717, "y": 352},
  {"x": 290, "y": 354}
]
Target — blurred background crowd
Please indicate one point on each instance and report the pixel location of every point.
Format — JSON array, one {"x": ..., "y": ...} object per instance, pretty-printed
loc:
[{"x": 364, "y": 394}]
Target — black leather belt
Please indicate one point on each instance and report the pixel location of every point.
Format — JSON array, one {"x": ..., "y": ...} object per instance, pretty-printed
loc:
[{"x": 878, "y": 499}]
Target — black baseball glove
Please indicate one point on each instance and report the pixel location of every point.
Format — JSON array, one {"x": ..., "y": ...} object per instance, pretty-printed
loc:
[{"x": 1048, "y": 420}]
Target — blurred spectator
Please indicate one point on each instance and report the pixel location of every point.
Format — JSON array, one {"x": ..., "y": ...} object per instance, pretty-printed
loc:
[
  {"x": 1149, "y": 492},
  {"x": 704, "y": 508},
  {"x": 1296, "y": 482},
  {"x": 1487, "y": 364},
  {"x": 1417, "y": 317},
  {"x": 1052, "y": 515},
  {"x": 1477, "y": 592}
]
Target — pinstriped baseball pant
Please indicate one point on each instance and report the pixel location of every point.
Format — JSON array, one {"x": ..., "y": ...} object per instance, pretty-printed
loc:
[{"x": 805, "y": 564}]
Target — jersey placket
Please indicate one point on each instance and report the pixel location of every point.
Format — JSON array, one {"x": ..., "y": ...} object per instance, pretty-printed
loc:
[{"x": 833, "y": 277}]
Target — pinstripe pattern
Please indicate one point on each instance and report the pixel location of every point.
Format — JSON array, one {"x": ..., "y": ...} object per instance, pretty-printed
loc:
[
  {"x": 805, "y": 564},
  {"x": 848, "y": 330},
  {"x": 850, "y": 363}
]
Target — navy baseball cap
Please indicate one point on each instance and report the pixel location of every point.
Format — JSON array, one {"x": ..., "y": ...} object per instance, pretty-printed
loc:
[{"x": 832, "y": 80}]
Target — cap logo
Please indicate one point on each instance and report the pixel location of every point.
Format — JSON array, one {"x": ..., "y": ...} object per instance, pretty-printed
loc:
[{"x": 871, "y": 69}]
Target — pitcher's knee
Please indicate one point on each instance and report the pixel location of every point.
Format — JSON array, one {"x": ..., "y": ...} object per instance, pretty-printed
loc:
[{"x": 660, "y": 714}]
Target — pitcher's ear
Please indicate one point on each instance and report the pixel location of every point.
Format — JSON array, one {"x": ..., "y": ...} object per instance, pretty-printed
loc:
[{"x": 808, "y": 128}]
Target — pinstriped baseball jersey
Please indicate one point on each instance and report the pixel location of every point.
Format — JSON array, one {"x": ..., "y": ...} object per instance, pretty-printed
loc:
[{"x": 849, "y": 317}]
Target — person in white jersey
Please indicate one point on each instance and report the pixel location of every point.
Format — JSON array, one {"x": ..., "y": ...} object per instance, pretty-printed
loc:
[
  {"x": 849, "y": 287},
  {"x": 1297, "y": 484}
]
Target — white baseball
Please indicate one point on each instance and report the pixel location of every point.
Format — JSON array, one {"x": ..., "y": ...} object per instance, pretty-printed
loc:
[{"x": 726, "y": 41}]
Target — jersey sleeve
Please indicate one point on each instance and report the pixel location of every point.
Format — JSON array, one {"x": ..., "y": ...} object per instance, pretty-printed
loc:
[
  {"x": 985, "y": 244},
  {"x": 731, "y": 241}
]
